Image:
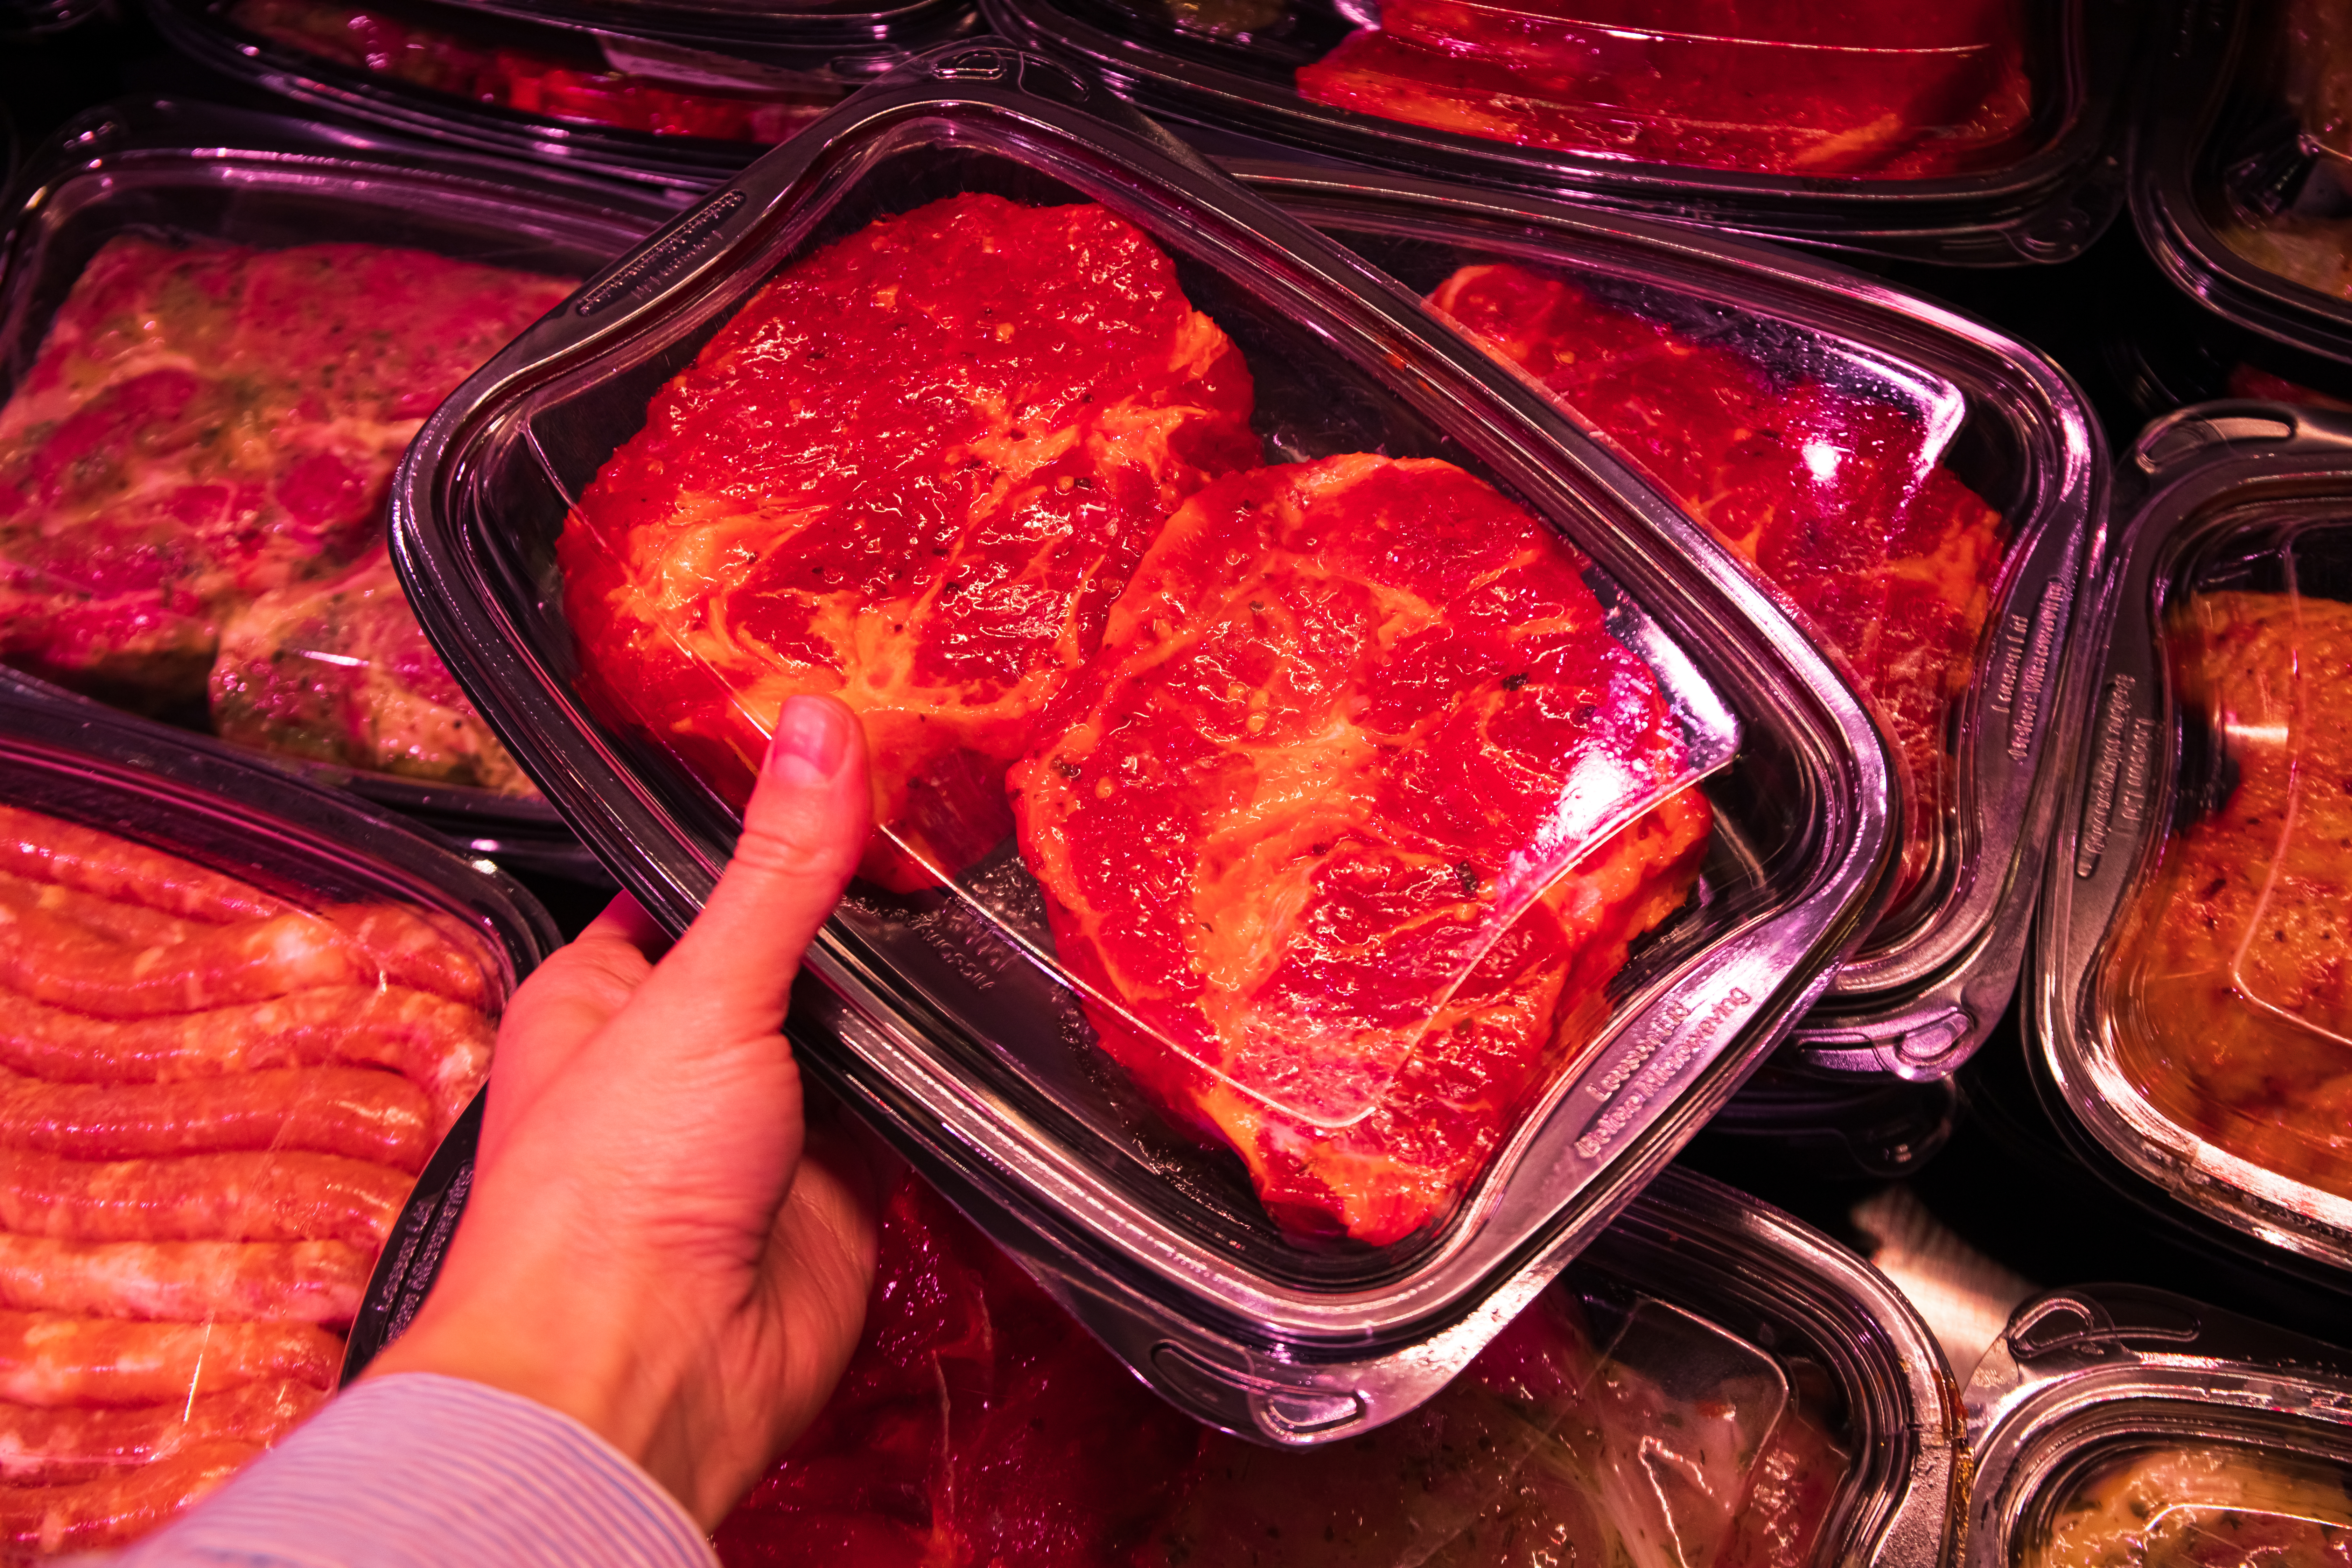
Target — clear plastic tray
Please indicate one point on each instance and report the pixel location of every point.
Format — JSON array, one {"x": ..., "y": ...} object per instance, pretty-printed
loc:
[
  {"x": 2242, "y": 174},
  {"x": 2180, "y": 989},
  {"x": 949, "y": 1038},
  {"x": 1917, "y": 443},
  {"x": 262, "y": 1097},
  {"x": 328, "y": 674},
  {"x": 2043, "y": 192},
  {"x": 2117, "y": 1425},
  {"x": 677, "y": 98}
]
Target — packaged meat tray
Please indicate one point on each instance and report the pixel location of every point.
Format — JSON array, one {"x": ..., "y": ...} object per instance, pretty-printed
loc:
[
  {"x": 1916, "y": 487},
  {"x": 2114, "y": 1426},
  {"x": 2241, "y": 170},
  {"x": 674, "y": 96},
  {"x": 242, "y": 1010},
  {"x": 1293, "y": 999},
  {"x": 2182, "y": 990},
  {"x": 192, "y": 516},
  {"x": 1801, "y": 1409},
  {"x": 1980, "y": 134}
]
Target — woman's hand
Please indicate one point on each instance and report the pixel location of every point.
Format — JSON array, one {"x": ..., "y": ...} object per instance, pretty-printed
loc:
[{"x": 653, "y": 1244}]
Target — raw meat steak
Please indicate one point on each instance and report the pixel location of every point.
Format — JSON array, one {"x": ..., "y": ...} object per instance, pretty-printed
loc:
[{"x": 913, "y": 471}]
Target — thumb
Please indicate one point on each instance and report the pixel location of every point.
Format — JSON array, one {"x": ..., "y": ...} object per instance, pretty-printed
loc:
[{"x": 803, "y": 833}]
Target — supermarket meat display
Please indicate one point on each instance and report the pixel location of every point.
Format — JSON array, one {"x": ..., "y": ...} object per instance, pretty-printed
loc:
[
  {"x": 213, "y": 1104},
  {"x": 209, "y": 426},
  {"x": 977, "y": 1425},
  {"x": 381, "y": 41},
  {"x": 1328, "y": 828},
  {"x": 2228, "y": 997},
  {"x": 2193, "y": 1504},
  {"x": 1838, "y": 499},
  {"x": 913, "y": 471},
  {"x": 1862, "y": 89}
]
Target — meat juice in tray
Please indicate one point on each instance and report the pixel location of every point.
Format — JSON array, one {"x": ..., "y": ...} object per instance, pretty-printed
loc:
[
  {"x": 241, "y": 1012},
  {"x": 2187, "y": 980},
  {"x": 1917, "y": 489},
  {"x": 2127, "y": 1427},
  {"x": 1301, "y": 720},
  {"x": 213, "y": 360}
]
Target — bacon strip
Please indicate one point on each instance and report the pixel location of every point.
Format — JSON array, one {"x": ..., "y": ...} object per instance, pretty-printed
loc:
[
  {"x": 53, "y": 1359},
  {"x": 45, "y": 1520},
  {"x": 48, "y": 1446},
  {"x": 441, "y": 1046},
  {"x": 359, "y": 1112},
  {"x": 94, "y": 861},
  {"x": 202, "y": 1197},
  {"x": 187, "y": 1281}
]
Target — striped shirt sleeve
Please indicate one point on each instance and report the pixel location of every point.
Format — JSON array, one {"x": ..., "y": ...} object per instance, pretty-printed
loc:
[{"x": 416, "y": 1470}]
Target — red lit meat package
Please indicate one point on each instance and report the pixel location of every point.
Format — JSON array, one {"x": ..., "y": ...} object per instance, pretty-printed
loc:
[
  {"x": 210, "y": 425},
  {"x": 1838, "y": 500},
  {"x": 1780, "y": 87},
  {"x": 979, "y": 1424},
  {"x": 1346, "y": 801},
  {"x": 213, "y": 1104}
]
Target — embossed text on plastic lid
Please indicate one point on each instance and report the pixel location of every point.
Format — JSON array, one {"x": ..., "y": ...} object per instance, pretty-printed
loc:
[
  {"x": 2183, "y": 993},
  {"x": 928, "y": 1003}
]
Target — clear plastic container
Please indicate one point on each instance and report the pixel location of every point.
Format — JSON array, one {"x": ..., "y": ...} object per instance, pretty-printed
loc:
[
  {"x": 125, "y": 841},
  {"x": 1919, "y": 487},
  {"x": 2132, "y": 1428},
  {"x": 677, "y": 97},
  {"x": 2242, "y": 172},
  {"x": 327, "y": 673},
  {"x": 2182, "y": 992},
  {"x": 1765, "y": 112},
  {"x": 934, "y": 1012}
]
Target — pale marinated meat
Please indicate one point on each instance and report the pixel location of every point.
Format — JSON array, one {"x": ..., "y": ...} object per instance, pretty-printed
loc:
[
  {"x": 913, "y": 471},
  {"x": 2201, "y": 1505},
  {"x": 1340, "y": 709},
  {"x": 1840, "y": 501}
]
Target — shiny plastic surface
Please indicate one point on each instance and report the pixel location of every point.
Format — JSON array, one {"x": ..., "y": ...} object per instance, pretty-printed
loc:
[
  {"x": 677, "y": 97},
  {"x": 1919, "y": 490},
  {"x": 960, "y": 1048},
  {"x": 2242, "y": 168},
  {"x": 1963, "y": 133},
  {"x": 190, "y": 216},
  {"x": 2185, "y": 992},
  {"x": 2119, "y": 1426},
  {"x": 241, "y": 1012}
]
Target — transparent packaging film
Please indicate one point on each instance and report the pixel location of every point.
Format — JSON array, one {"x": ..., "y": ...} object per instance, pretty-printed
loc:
[{"x": 232, "y": 1043}]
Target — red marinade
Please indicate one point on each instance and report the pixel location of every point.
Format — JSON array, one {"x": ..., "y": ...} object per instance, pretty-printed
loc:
[
  {"x": 1837, "y": 500},
  {"x": 978, "y": 1425},
  {"x": 1883, "y": 90},
  {"x": 1338, "y": 706},
  {"x": 912, "y": 471},
  {"x": 382, "y": 45},
  {"x": 205, "y": 425}
]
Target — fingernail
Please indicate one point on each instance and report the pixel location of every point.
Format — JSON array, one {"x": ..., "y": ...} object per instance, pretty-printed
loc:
[{"x": 812, "y": 736}]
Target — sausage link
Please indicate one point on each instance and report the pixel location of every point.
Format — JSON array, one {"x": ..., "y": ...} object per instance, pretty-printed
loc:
[
  {"x": 43, "y": 1447},
  {"x": 39, "y": 1522},
  {"x": 53, "y": 1359},
  {"x": 187, "y": 1281},
  {"x": 46, "y": 849},
  {"x": 52, "y": 960},
  {"x": 361, "y": 1112},
  {"x": 202, "y": 1197},
  {"x": 132, "y": 923},
  {"x": 411, "y": 947},
  {"x": 441, "y": 1046}
]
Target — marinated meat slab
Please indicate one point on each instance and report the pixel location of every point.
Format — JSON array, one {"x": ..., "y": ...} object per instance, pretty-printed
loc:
[
  {"x": 1778, "y": 87},
  {"x": 207, "y": 424},
  {"x": 2201, "y": 1505},
  {"x": 2227, "y": 982},
  {"x": 912, "y": 471},
  {"x": 337, "y": 670},
  {"x": 1839, "y": 501},
  {"x": 1298, "y": 820}
]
